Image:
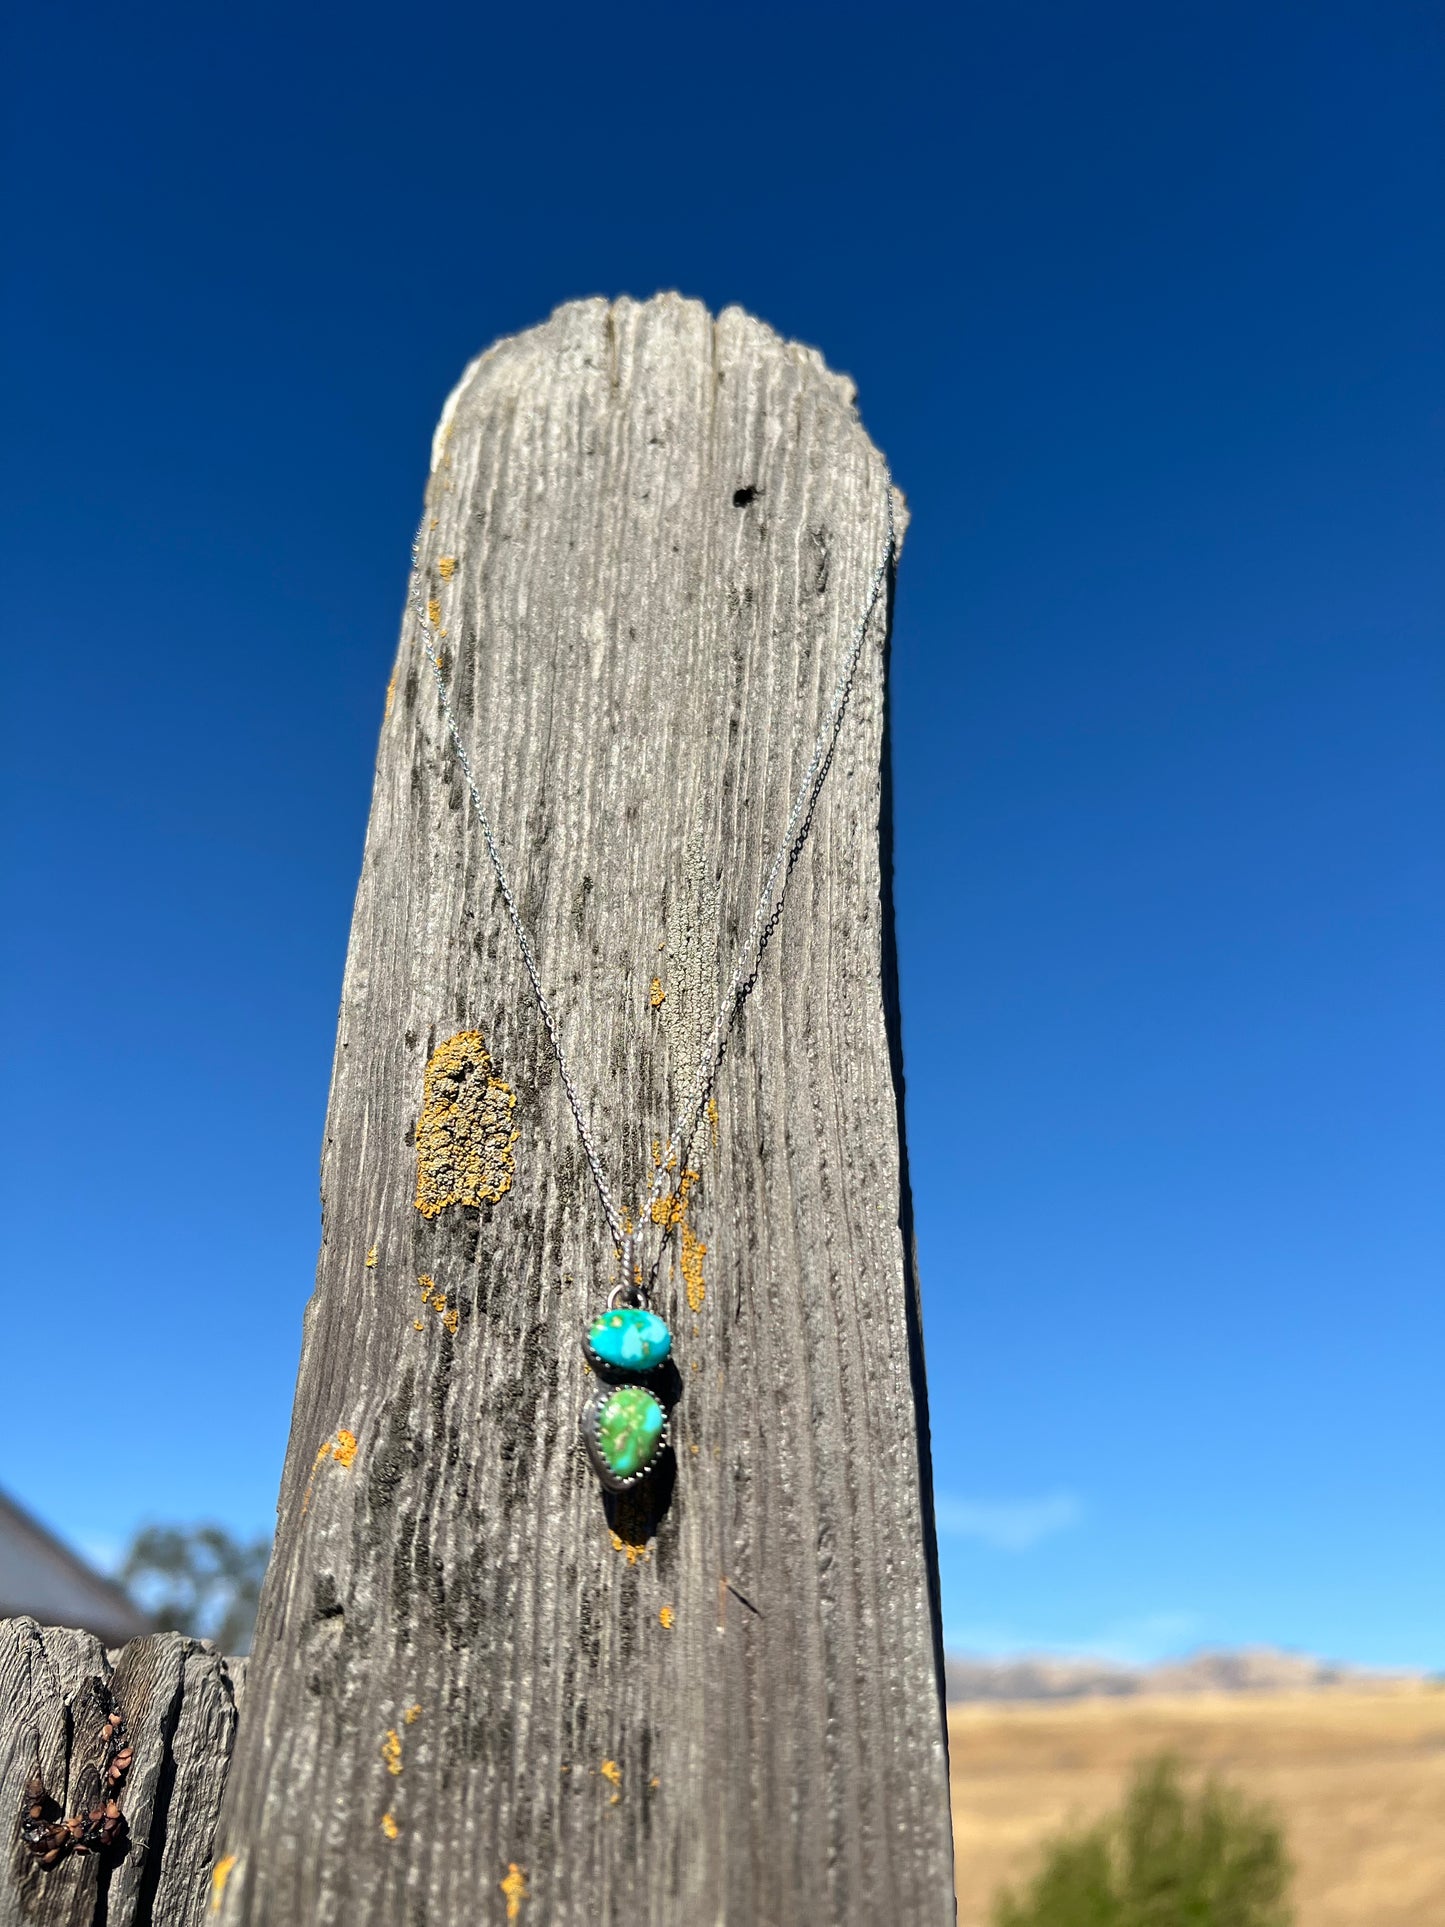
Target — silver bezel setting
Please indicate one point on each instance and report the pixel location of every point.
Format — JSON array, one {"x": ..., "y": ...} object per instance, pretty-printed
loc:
[{"x": 591, "y": 1417}]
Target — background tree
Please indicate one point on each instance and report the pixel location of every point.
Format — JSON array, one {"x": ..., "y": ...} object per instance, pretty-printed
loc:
[
  {"x": 197, "y": 1580},
  {"x": 1169, "y": 1858}
]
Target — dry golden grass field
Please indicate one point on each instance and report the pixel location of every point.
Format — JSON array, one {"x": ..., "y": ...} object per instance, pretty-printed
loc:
[{"x": 1357, "y": 1776}]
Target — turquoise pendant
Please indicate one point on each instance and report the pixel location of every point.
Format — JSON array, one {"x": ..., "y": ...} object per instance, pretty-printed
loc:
[
  {"x": 627, "y": 1341},
  {"x": 624, "y": 1428}
]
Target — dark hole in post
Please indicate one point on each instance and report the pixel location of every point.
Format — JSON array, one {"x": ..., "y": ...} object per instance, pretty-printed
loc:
[{"x": 742, "y": 496}]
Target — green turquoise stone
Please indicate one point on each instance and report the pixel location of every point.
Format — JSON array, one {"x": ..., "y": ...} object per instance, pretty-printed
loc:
[
  {"x": 629, "y": 1338},
  {"x": 629, "y": 1426}
]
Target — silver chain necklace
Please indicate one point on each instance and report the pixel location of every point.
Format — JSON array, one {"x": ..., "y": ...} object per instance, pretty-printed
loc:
[{"x": 625, "y": 1425}]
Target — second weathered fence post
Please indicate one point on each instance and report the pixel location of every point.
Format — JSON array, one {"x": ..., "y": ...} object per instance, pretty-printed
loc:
[{"x": 481, "y": 1688}]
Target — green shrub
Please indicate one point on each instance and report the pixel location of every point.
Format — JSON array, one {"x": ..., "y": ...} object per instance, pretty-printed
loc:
[{"x": 1168, "y": 1858}]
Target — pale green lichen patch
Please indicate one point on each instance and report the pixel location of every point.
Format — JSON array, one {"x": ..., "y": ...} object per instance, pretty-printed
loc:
[{"x": 465, "y": 1134}]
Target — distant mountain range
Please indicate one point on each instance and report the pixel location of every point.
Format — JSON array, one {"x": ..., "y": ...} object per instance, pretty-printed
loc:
[{"x": 1254, "y": 1669}]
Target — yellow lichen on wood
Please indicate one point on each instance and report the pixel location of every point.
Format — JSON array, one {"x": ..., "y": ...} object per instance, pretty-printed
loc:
[
  {"x": 389, "y": 1826},
  {"x": 371, "y": 1258},
  {"x": 433, "y": 611},
  {"x": 656, "y": 996},
  {"x": 390, "y": 696},
  {"x": 220, "y": 1874},
  {"x": 411, "y": 1715},
  {"x": 446, "y": 567},
  {"x": 630, "y": 1547},
  {"x": 515, "y": 1889},
  {"x": 668, "y": 1618},
  {"x": 671, "y": 1213},
  {"x": 344, "y": 1450},
  {"x": 391, "y": 1751},
  {"x": 690, "y": 1259},
  {"x": 610, "y": 1770},
  {"x": 464, "y": 1136},
  {"x": 712, "y": 1119},
  {"x": 672, "y": 1209},
  {"x": 436, "y": 1299}
]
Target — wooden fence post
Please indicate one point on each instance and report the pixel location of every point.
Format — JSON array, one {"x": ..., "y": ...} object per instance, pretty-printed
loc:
[
  {"x": 481, "y": 1690},
  {"x": 178, "y": 1700}
]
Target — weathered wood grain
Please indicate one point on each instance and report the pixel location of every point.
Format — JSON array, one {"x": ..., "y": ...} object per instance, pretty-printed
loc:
[
  {"x": 178, "y": 1699},
  {"x": 478, "y": 1692}
]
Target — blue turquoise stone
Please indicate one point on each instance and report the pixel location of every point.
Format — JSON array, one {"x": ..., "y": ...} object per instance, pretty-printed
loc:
[{"x": 629, "y": 1339}]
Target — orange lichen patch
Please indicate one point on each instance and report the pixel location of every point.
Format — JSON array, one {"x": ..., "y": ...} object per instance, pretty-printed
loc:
[
  {"x": 371, "y": 1258},
  {"x": 433, "y": 1296},
  {"x": 433, "y": 611},
  {"x": 672, "y": 1209},
  {"x": 631, "y": 1548},
  {"x": 515, "y": 1889},
  {"x": 391, "y": 1751},
  {"x": 464, "y": 1136},
  {"x": 411, "y": 1715},
  {"x": 656, "y": 995},
  {"x": 389, "y": 1826},
  {"x": 418, "y": 1324},
  {"x": 220, "y": 1874},
  {"x": 691, "y": 1257},
  {"x": 341, "y": 1448},
  {"x": 712, "y": 1119},
  {"x": 610, "y": 1770},
  {"x": 668, "y": 1618},
  {"x": 446, "y": 567}
]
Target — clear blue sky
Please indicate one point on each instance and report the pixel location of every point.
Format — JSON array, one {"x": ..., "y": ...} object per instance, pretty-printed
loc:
[{"x": 1144, "y": 304}]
